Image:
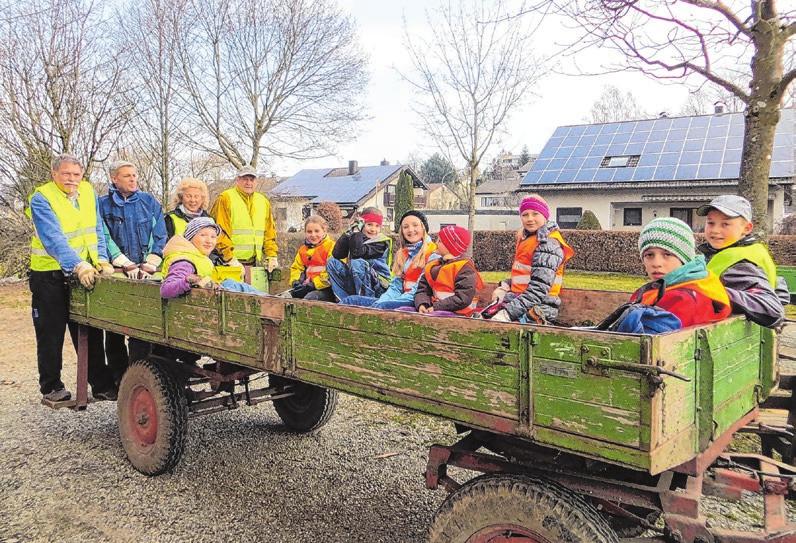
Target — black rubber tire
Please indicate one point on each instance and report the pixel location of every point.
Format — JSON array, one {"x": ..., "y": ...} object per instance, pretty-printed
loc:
[
  {"x": 161, "y": 451},
  {"x": 309, "y": 408},
  {"x": 549, "y": 512}
]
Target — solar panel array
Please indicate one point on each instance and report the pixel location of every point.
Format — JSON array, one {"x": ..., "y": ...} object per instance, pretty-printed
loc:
[
  {"x": 669, "y": 149},
  {"x": 345, "y": 189}
]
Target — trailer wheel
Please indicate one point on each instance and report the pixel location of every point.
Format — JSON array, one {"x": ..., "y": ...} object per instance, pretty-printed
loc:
[
  {"x": 517, "y": 508},
  {"x": 153, "y": 417},
  {"x": 309, "y": 408}
]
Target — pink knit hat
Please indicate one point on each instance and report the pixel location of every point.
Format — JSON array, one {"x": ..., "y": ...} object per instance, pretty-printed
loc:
[
  {"x": 455, "y": 238},
  {"x": 534, "y": 204}
]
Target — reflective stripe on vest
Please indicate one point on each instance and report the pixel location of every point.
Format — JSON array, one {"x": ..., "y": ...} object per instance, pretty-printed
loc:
[
  {"x": 412, "y": 273},
  {"x": 709, "y": 286},
  {"x": 248, "y": 231},
  {"x": 314, "y": 259},
  {"x": 79, "y": 226},
  {"x": 203, "y": 265},
  {"x": 756, "y": 253},
  {"x": 522, "y": 267},
  {"x": 179, "y": 223},
  {"x": 444, "y": 285}
]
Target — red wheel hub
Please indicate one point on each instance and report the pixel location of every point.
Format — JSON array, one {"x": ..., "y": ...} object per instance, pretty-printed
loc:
[
  {"x": 505, "y": 533},
  {"x": 143, "y": 416}
]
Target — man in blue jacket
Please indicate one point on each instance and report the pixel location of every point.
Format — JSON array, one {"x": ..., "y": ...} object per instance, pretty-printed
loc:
[{"x": 136, "y": 235}]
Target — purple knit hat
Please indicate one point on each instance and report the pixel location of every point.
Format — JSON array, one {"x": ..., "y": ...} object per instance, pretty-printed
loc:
[{"x": 534, "y": 204}]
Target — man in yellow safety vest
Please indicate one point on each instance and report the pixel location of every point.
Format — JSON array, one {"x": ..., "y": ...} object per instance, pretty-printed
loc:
[
  {"x": 248, "y": 232},
  {"x": 68, "y": 241}
]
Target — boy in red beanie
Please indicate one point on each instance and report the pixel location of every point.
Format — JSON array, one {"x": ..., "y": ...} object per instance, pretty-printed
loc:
[{"x": 449, "y": 285}]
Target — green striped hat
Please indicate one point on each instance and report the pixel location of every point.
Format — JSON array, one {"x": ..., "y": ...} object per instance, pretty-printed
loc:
[{"x": 670, "y": 234}]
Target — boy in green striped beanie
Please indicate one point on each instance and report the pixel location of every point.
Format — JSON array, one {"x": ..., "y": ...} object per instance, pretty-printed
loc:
[{"x": 679, "y": 280}]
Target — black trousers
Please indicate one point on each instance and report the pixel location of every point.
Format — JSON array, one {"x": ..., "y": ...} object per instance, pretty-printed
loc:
[
  {"x": 50, "y": 304},
  {"x": 118, "y": 357}
]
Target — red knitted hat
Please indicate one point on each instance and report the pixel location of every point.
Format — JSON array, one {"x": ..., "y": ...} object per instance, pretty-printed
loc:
[{"x": 455, "y": 238}]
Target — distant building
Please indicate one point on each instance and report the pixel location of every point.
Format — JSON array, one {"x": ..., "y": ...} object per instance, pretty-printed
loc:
[
  {"x": 439, "y": 196},
  {"x": 630, "y": 172},
  {"x": 498, "y": 194},
  {"x": 352, "y": 188}
]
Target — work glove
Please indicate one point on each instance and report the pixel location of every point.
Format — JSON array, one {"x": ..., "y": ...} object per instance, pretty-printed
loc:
[
  {"x": 150, "y": 266},
  {"x": 86, "y": 274},
  {"x": 501, "y": 316},
  {"x": 129, "y": 268},
  {"x": 271, "y": 263},
  {"x": 198, "y": 281},
  {"x": 234, "y": 262},
  {"x": 105, "y": 268},
  {"x": 303, "y": 290}
]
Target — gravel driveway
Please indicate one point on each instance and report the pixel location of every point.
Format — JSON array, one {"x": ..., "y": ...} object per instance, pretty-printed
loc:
[{"x": 64, "y": 476}]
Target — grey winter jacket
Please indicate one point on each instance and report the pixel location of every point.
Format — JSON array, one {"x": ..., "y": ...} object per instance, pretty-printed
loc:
[{"x": 546, "y": 259}]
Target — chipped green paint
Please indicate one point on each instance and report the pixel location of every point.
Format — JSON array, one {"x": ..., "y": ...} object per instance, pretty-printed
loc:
[{"x": 585, "y": 392}]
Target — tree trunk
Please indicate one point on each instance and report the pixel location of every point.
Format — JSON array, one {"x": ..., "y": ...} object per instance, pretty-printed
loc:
[
  {"x": 762, "y": 116},
  {"x": 473, "y": 167}
]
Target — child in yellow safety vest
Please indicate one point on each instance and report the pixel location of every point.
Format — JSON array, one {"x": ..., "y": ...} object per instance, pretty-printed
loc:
[
  {"x": 742, "y": 261},
  {"x": 186, "y": 262},
  {"x": 537, "y": 273},
  {"x": 308, "y": 276},
  {"x": 449, "y": 285}
]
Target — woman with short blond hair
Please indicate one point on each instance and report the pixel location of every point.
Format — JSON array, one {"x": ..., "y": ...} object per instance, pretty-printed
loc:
[{"x": 191, "y": 200}]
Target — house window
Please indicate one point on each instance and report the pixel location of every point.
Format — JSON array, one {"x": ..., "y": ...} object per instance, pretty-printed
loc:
[
  {"x": 493, "y": 201},
  {"x": 632, "y": 216},
  {"x": 389, "y": 196},
  {"x": 281, "y": 214},
  {"x": 306, "y": 211},
  {"x": 685, "y": 214},
  {"x": 568, "y": 217},
  {"x": 623, "y": 161},
  {"x": 390, "y": 214}
]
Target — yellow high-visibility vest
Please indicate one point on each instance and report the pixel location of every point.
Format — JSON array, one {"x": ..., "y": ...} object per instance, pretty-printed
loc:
[
  {"x": 179, "y": 223},
  {"x": 248, "y": 231},
  {"x": 79, "y": 225},
  {"x": 203, "y": 265},
  {"x": 756, "y": 253}
]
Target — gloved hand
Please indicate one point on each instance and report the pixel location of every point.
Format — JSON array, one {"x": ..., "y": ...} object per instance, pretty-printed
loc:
[
  {"x": 128, "y": 266},
  {"x": 150, "y": 266},
  {"x": 501, "y": 316},
  {"x": 271, "y": 263},
  {"x": 356, "y": 225},
  {"x": 105, "y": 268},
  {"x": 198, "y": 281},
  {"x": 297, "y": 283},
  {"x": 86, "y": 274},
  {"x": 234, "y": 262},
  {"x": 303, "y": 290},
  {"x": 498, "y": 294}
]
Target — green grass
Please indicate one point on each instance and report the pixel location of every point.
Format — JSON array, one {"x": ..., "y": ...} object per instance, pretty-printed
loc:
[
  {"x": 586, "y": 280},
  {"x": 790, "y": 311}
]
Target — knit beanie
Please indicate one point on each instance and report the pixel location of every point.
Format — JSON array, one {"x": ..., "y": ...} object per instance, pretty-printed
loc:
[
  {"x": 670, "y": 234},
  {"x": 455, "y": 238},
  {"x": 414, "y": 213},
  {"x": 535, "y": 204},
  {"x": 193, "y": 227}
]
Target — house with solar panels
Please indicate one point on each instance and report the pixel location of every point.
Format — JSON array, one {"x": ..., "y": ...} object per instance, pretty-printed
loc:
[
  {"x": 630, "y": 172},
  {"x": 352, "y": 188}
]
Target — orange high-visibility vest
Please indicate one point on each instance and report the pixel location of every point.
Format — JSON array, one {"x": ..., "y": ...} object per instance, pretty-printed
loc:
[
  {"x": 314, "y": 258},
  {"x": 523, "y": 259},
  {"x": 412, "y": 273},
  {"x": 709, "y": 287},
  {"x": 445, "y": 283}
]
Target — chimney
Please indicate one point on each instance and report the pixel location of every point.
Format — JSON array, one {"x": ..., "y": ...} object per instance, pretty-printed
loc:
[
  {"x": 719, "y": 107},
  {"x": 384, "y": 162},
  {"x": 352, "y": 167},
  {"x": 663, "y": 115}
]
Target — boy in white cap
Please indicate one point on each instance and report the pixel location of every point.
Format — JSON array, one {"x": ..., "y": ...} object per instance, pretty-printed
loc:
[{"x": 742, "y": 261}]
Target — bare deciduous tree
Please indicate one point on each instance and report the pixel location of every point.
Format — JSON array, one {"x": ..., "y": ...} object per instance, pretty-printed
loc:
[
  {"x": 613, "y": 105},
  {"x": 469, "y": 76},
  {"x": 722, "y": 43},
  {"x": 277, "y": 76}
]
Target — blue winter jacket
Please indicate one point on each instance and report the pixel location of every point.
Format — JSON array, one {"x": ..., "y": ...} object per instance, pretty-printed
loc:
[{"x": 135, "y": 225}]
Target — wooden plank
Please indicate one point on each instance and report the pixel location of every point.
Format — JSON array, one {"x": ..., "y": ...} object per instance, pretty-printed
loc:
[
  {"x": 381, "y": 374},
  {"x": 576, "y": 345},
  {"x": 616, "y": 389},
  {"x": 579, "y": 307},
  {"x": 592, "y": 448},
  {"x": 394, "y": 326}
]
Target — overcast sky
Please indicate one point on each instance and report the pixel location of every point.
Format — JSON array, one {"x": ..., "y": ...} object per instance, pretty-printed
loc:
[{"x": 391, "y": 132}]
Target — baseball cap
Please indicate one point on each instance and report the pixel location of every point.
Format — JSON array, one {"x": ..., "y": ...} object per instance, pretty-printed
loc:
[
  {"x": 729, "y": 204},
  {"x": 247, "y": 170}
]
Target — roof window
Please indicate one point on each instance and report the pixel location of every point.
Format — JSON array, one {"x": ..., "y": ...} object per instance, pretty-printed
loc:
[{"x": 622, "y": 161}]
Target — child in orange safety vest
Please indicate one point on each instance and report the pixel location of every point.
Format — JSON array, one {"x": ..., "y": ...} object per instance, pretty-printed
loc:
[
  {"x": 308, "y": 276},
  {"x": 531, "y": 294},
  {"x": 450, "y": 284}
]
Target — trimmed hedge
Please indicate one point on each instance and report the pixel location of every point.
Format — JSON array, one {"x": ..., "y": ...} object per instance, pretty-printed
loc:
[{"x": 595, "y": 250}]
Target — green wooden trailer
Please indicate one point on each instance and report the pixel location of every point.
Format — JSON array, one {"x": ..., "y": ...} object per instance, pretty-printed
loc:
[{"x": 637, "y": 409}]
